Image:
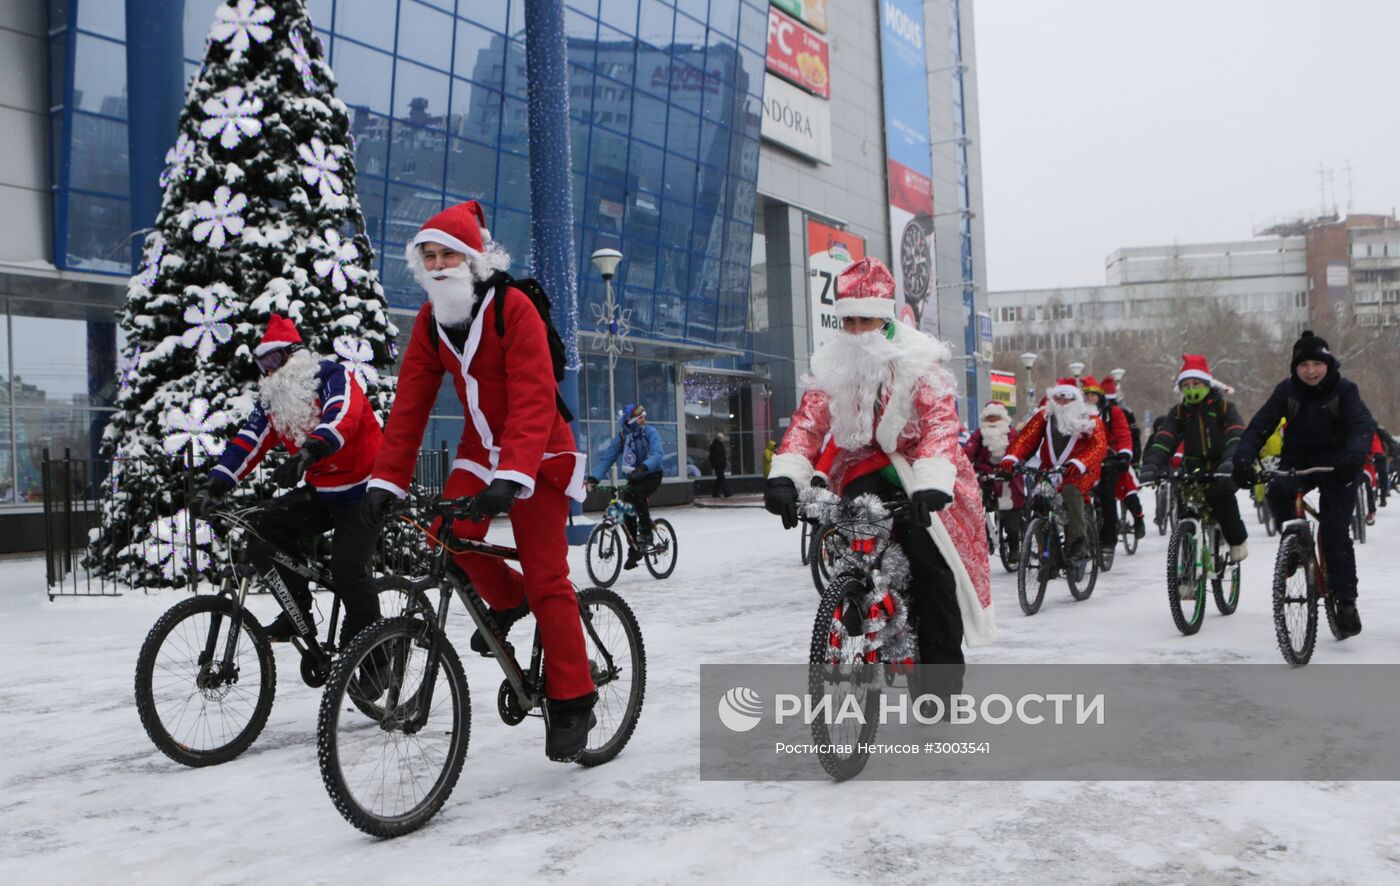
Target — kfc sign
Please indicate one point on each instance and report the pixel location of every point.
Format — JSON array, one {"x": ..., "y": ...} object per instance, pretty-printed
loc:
[{"x": 798, "y": 55}]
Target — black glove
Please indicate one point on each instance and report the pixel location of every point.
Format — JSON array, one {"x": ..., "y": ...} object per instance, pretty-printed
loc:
[
  {"x": 1244, "y": 474},
  {"x": 926, "y": 502},
  {"x": 638, "y": 475},
  {"x": 290, "y": 472},
  {"x": 590, "y": 482},
  {"x": 1150, "y": 474},
  {"x": 1346, "y": 468},
  {"x": 204, "y": 504},
  {"x": 818, "y": 482},
  {"x": 780, "y": 497},
  {"x": 493, "y": 500},
  {"x": 374, "y": 507}
]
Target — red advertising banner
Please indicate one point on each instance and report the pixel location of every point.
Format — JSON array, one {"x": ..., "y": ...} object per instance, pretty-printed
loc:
[
  {"x": 910, "y": 190},
  {"x": 798, "y": 55}
]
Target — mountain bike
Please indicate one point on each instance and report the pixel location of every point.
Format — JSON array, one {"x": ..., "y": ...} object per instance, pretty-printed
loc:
[
  {"x": 1043, "y": 546},
  {"x": 1359, "y": 510},
  {"x": 1125, "y": 529},
  {"x": 1258, "y": 494},
  {"x": 861, "y": 638},
  {"x": 1106, "y": 554},
  {"x": 1382, "y": 479},
  {"x": 809, "y": 530},
  {"x": 998, "y": 537},
  {"x": 1164, "y": 515},
  {"x": 1195, "y": 556},
  {"x": 606, "y": 548},
  {"x": 389, "y": 774},
  {"x": 1300, "y": 578},
  {"x": 206, "y": 675}
]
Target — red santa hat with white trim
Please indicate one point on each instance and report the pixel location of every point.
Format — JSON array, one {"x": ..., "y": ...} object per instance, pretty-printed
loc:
[
  {"x": 1194, "y": 366},
  {"x": 1065, "y": 387},
  {"x": 281, "y": 333},
  {"x": 865, "y": 289},
  {"x": 997, "y": 408},
  {"x": 461, "y": 228}
]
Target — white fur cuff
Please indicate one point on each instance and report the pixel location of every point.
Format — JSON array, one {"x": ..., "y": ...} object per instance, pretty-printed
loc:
[
  {"x": 934, "y": 473},
  {"x": 792, "y": 466},
  {"x": 1080, "y": 465}
]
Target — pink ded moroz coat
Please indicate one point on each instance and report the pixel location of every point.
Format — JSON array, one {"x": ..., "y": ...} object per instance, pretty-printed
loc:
[{"x": 920, "y": 437}]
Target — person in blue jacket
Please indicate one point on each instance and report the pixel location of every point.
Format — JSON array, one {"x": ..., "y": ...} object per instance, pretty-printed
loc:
[
  {"x": 636, "y": 450},
  {"x": 1328, "y": 426}
]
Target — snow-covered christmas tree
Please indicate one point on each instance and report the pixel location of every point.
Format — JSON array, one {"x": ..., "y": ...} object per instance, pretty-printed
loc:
[{"x": 259, "y": 216}]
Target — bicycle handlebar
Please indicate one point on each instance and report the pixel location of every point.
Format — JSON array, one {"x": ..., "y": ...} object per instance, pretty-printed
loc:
[{"x": 1271, "y": 473}]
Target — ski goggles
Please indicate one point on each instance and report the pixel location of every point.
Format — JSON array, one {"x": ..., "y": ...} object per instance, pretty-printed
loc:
[{"x": 273, "y": 360}]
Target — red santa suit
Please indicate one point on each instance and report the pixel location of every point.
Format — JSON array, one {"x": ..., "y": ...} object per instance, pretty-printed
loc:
[
  {"x": 914, "y": 431},
  {"x": 988, "y": 446},
  {"x": 512, "y": 431},
  {"x": 1085, "y": 449}
]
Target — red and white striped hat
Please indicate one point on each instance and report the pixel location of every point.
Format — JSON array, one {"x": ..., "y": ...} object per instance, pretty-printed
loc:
[
  {"x": 281, "y": 333},
  {"x": 865, "y": 289}
]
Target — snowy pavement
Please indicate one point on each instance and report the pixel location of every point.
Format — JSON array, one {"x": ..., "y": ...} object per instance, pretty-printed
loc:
[{"x": 87, "y": 799}]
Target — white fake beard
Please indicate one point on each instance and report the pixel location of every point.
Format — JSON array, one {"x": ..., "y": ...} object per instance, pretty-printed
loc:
[
  {"x": 1074, "y": 418},
  {"x": 996, "y": 436},
  {"x": 452, "y": 292},
  {"x": 852, "y": 369},
  {"x": 290, "y": 397}
]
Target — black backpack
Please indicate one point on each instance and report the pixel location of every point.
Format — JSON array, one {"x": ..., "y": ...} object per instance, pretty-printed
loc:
[{"x": 501, "y": 281}]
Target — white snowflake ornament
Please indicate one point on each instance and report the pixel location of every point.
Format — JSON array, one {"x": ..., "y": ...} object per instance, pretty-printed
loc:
[
  {"x": 169, "y": 545},
  {"x": 235, "y": 23},
  {"x": 232, "y": 116},
  {"x": 321, "y": 167},
  {"x": 222, "y": 218},
  {"x": 196, "y": 428},
  {"x": 207, "y": 327},
  {"x": 176, "y": 159},
  {"x": 355, "y": 354},
  {"x": 301, "y": 59},
  {"x": 340, "y": 265}
]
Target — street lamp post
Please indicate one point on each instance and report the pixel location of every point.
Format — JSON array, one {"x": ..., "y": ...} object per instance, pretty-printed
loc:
[
  {"x": 615, "y": 323},
  {"x": 1077, "y": 369},
  {"x": 1028, "y": 362}
]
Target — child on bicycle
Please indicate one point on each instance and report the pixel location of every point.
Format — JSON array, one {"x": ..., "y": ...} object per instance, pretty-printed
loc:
[
  {"x": 881, "y": 391},
  {"x": 1328, "y": 425},
  {"x": 1065, "y": 433},
  {"x": 636, "y": 450},
  {"x": 1117, "y": 464},
  {"x": 317, "y": 410},
  {"x": 1127, "y": 491},
  {"x": 1207, "y": 427}
]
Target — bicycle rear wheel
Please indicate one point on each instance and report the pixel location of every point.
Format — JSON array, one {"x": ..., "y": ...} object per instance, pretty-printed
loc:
[
  {"x": 618, "y": 660},
  {"x": 603, "y": 555},
  {"x": 1295, "y": 601},
  {"x": 1186, "y": 587},
  {"x": 1034, "y": 572},
  {"x": 661, "y": 556},
  {"x": 1162, "y": 515},
  {"x": 197, "y": 710},
  {"x": 837, "y": 665},
  {"x": 1125, "y": 530},
  {"x": 1006, "y": 552},
  {"x": 388, "y": 777},
  {"x": 1225, "y": 587}
]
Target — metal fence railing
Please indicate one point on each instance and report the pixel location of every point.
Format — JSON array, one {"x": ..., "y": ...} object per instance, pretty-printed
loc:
[{"x": 179, "y": 547}]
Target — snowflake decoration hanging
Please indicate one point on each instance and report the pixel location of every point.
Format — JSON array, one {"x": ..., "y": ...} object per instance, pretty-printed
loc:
[
  {"x": 197, "y": 428},
  {"x": 322, "y": 166},
  {"x": 340, "y": 265},
  {"x": 301, "y": 59},
  {"x": 220, "y": 218},
  {"x": 207, "y": 327},
  {"x": 231, "y": 116},
  {"x": 169, "y": 545},
  {"x": 151, "y": 270},
  {"x": 176, "y": 160},
  {"x": 355, "y": 354},
  {"x": 236, "y": 23}
]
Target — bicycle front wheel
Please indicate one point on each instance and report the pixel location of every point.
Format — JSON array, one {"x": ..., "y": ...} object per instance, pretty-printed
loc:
[
  {"x": 806, "y": 541},
  {"x": 1295, "y": 601},
  {"x": 1082, "y": 588},
  {"x": 1034, "y": 572},
  {"x": 603, "y": 556},
  {"x": 1006, "y": 552},
  {"x": 825, "y": 551},
  {"x": 200, "y": 704},
  {"x": 389, "y": 776},
  {"x": 618, "y": 661},
  {"x": 1358, "y": 513},
  {"x": 837, "y": 665},
  {"x": 1185, "y": 585},
  {"x": 1125, "y": 529},
  {"x": 661, "y": 556}
]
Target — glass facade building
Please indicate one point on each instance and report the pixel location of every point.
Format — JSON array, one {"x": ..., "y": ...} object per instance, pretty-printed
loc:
[{"x": 666, "y": 109}]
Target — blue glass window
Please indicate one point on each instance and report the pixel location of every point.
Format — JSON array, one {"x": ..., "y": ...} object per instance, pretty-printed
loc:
[
  {"x": 621, "y": 14},
  {"x": 657, "y": 23},
  {"x": 97, "y": 231},
  {"x": 107, "y": 19},
  {"x": 370, "y": 133},
  {"x": 476, "y": 112},
  {"x": 369, "y": 21},
  {"x": 480, "y": 54},
  {"x": 371, "y": 194},
  {"x": 420, "y": 95},
  {"x": 319, "y": 10},
  {"x": 407, "y": 209},
  {"x": 491, "y": 13},
  {"x": 753, "y": 27},
  {"x": 649, "y": 114},
  {"x": 99, "y": 76},
  {"x": 724, "y": 16},
  {"x": 515, "y": 124},
  {"x": 99, "y": 155},
  {"x": 365, "y": 76},
  {"x": 683, "y": 132},
  {"x": 418, "y": 155},
  {"x": 689, "y": 33},
  {"x": 471, "y": 170},
  {"x": 513, "y": 179},
  {"x": 582, "y": 34},
  {"x": 425, "y": 34},
  {"x": 512, "y": 230}
]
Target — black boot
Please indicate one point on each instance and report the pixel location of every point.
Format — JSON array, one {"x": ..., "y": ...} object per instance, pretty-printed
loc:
[
  {"x": 1348, "y": 619},
  {"x": 1139, "y": 527},
  {"x": 634, "y": 556},
  {"x": 282, "y": 629},
  {"x": 566, "y": 726},
  {"x": 503, "y": 619}
]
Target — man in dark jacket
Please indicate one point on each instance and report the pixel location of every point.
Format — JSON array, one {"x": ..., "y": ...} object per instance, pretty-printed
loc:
[
  {"x": 1208, "y": 426},
  {"x": 719, "y": 460},
  {"x": 1328, "y": 425}
]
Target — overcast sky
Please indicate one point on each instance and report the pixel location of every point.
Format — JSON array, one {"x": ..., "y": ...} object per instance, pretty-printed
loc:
[{"x": 1111, "y": 123}]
